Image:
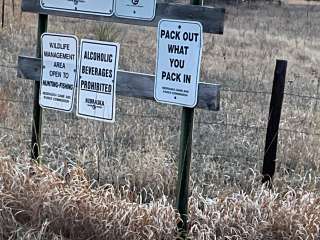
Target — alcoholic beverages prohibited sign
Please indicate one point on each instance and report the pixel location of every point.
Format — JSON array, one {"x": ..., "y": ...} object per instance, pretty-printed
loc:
[
  {"x": 58, "y": 72},
  {"x": 178, "y": 62},
  {"x": 96, "y": 7},
  {"x": 136, "y": 9},
  {"x": 97, "y": 80}
]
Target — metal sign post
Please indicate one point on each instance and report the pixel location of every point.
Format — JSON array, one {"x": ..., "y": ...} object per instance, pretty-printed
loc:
[
  {"x": 184, "y": 169},
  {"x": 184, "y": 164},
  {"x": 37, "y": 111},
  {"x": 177, "y": 81}
]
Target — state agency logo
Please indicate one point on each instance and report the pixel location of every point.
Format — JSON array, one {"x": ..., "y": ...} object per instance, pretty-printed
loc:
[
  {"x": 135, "y": 2},
  {"x": 76, "y": 1}
]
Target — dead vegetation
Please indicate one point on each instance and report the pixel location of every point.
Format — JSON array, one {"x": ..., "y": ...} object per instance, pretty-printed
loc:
[{"x": 38, "y": 203}]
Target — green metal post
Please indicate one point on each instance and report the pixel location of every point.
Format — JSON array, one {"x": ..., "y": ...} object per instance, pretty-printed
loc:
[
  {"x": 184, "y": 169},
  {"x": 184, "y": 164},
  {"x": 195, "y": 2},
  {"x": 37, "y": 111}
]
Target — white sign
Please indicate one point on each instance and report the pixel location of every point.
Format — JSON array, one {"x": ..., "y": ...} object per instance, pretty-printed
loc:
[
  {"x": 178, "y": 62},
  {"x": 97, "y": 80},
  {"x": 136, "y": 9},
  {"x": 59, "y": 71},
  {"x": 95, "y": 7}
]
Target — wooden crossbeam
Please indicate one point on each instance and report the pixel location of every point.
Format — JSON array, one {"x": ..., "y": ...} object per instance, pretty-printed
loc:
[
  {"x": 211, "y": 18},
  {"x": 129, "y": 84}
]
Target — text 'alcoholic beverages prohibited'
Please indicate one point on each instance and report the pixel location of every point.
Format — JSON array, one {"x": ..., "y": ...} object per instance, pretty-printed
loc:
[{"x": 97, "y": 80}]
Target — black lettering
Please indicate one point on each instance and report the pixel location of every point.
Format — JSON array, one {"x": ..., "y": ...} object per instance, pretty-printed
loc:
[
  {"x": 163, "y": 32},
  {"x": 176, "y": 49},
  {"x": 171, "y": 76},
  {"x": 176, "y": 63},
  {"x": 173, "y": 35},
  {"x": 59, "y": 65},
  {"x": 187, "y": 78}
]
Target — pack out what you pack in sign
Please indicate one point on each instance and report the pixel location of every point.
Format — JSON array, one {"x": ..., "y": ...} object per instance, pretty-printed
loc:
[{"x": 178, "y": 49}]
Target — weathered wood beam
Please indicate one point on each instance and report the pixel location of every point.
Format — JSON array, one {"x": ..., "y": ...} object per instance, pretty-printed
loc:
[
  {"x": 129, "y": 84},
  {"x": 211, "y": 18}
]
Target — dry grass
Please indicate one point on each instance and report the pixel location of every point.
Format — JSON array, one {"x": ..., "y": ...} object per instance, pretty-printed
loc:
[
  {"x": 34, "y": 197},
  {"x": 38, "y": 203}
]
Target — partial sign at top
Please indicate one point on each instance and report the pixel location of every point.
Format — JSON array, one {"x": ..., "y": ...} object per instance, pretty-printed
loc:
[
  {"x": 136, "y": 9},
  {"x": 178, "y": 62},
  {"x": 94, "y": 7}
]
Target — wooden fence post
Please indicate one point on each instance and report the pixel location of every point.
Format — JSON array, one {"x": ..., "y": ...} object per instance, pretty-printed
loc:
[
  {"x": 269, "y": 162},
  {"x": 184, "y": 164},
  {"x": 2, "y": 13},
  {"x": 37, "y": 111}
]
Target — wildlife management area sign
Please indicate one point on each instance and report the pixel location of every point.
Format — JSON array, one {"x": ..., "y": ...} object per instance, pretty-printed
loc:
[
  {"x": 178, "y": 62},
  {"x": 58, "y": 71},
  {"x": 97, "y": 80},
  {"x": 96, "y": 7}
]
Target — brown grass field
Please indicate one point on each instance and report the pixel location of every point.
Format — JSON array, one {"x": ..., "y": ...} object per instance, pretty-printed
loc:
[{"x": 117, "y": 181}]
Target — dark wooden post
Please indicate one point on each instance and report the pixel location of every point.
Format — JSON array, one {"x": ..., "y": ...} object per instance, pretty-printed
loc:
[
  {"x": 270, "y": 155},
  {"x": 184, "y": 164},
  {"x": 37, "y": 111},
  {"x": 2, "y": 16}
]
